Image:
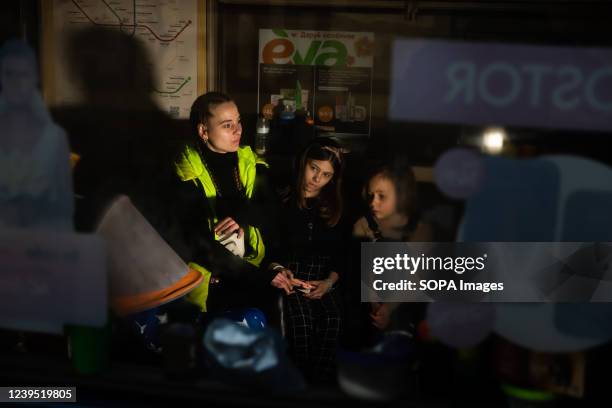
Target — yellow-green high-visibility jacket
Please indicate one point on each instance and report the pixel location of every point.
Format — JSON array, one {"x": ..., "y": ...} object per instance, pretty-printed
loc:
[{"x": 191, "y": 169}]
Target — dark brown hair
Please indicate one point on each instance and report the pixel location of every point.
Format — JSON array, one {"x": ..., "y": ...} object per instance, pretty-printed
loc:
[
  {"x": 330, "y": 197},
  {"x": 404, "y": 183},
  {"x": 201, "y": 109}
]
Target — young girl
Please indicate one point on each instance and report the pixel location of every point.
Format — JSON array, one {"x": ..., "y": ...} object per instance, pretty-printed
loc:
[
  {"x": 311, "y": 250},
  {"x": 391, "y": 195},
  {"x": 393, "y": 216}
]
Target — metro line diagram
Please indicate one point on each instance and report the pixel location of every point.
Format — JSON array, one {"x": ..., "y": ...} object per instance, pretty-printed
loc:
[
  {"x": 134, "y": 25},
  {"x": 168, "y": 30}
]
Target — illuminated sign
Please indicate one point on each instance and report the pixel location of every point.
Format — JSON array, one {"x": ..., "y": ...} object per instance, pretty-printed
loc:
[{"x": 486, "y": 83}]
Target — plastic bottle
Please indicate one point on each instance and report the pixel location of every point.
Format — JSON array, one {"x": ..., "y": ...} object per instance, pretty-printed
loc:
[{"x": 261, "y": 136}]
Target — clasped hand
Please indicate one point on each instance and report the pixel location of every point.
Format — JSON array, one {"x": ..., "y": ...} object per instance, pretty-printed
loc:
[
  {"x": 321, "y": 287},
  {"x": 285, "y": 280},
  {"x": 228, "y": 226}
]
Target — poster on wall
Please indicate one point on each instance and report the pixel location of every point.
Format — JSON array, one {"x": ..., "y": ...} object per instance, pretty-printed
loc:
[
  {"x": 167, "y": 29},
  {"x": 325, "y": 73}
]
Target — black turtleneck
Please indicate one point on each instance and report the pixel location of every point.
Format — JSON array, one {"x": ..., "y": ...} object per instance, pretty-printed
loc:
[{"x": 223, "y": 168}]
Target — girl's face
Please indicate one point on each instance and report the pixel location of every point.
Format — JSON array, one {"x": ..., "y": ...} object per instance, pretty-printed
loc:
[
  {"x": 316, "y": 176},
  {"x": 383, "y": 198},
  {"x": 223, "y": 131}
]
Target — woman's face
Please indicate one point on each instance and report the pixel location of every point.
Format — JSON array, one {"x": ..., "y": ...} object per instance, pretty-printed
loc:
[
  {"x": 316, "y": 176},
  {"x": 223, "y": 131},
  {"x": 18, "y": 80},
  {"x": 383, "y": 198}
]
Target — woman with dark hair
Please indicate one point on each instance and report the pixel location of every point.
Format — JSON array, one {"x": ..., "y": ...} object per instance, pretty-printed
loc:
[
  {"x": 312, "y": 252},
  {"x": 226, "y": 182}
]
